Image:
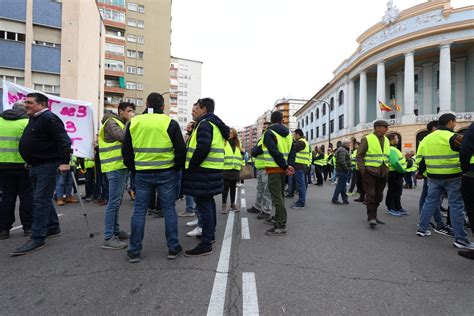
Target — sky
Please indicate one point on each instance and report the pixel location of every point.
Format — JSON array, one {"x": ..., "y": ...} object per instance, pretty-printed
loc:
[{"x": 257, "y": 51}]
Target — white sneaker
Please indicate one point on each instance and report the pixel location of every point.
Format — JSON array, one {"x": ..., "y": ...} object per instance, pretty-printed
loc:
[
  {"x": 195, "y": 232},
  {"x": 192, "y": 223}
]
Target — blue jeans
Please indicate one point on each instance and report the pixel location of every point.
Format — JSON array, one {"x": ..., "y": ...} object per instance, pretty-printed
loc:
[
  {"x": 436, "y": 187},
  {"x": 45, "y": 218},
  {"x": 63, "y": 185},
  {"x": 145, "y": 183},
  {"x": 291, "y": 185},
  {"x": 301, "y": 184},
  {"x": 117, "y": 180},
  {"x": 207, "y": 209},
  {"x": 437, "y": 213},
  {"x": 190, "y": 205},
  {"x": 341, "y": 186}
]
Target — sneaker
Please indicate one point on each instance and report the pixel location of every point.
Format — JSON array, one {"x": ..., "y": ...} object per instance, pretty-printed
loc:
[
  {"x": 53, "y": 233},
  {"x": 173, "y": 254},
  {"x": 4, "y": 234},
  {"x": 224, "y": 209},
  {"x": 423, "y": 233},
  {"x": 431, "y": 225},
  {"x": 30, "y": 246},
  {"x": 195, "y": 232},
  {"x": 198, "y": 251},
  {"x": 234, "y": 207},
  {"x": 469, "y": 254},
  {"x": 150, "y": 211},
  {"x": 186, "y": 214},
  {"x": 71, "y": 199},
  {"x": 102, "y": 202},
  {"x": 60, "y": 202},
  {"x": 270, "y": 221},
  {"x": 351, "y": 193},
  {"x": 123, "y": 235},
  {"x": 133, "y": 258},
  {"x": 445, "y": 231},
  {"x": 264, "y": 216},
  {"x": 158, "y": 214},
  {"x": 403, "y": 212},
  {"x": 200, "y": 238},
  {"x": 345, "y": 202},
  {"x": 26, "y": 232},
  {"x": 253, "y": 210},
  {"x": 463, "y": 244},
  {"x": 336, "y": 202},
  {"x": 372, "y": 223},
  {"x": 276, "y": 232},
  {"x": 378, "y": 221},
  {"x": 114, "y": 243},
  {"x": 296, "y": 206},
  {"x": 393, "y": 212},
  {"x": 192, "y": 223},
  {"x": 289, "y": 195}
]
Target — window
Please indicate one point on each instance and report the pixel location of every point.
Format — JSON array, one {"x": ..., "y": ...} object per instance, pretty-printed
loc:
[
  {"x": 298, "y": 124},
  {"x": 131, "y": 85},
  {"x": 392, "y": 91},
  {"x": 324, "y": 129},
  {"x": 131, "y": 70},
  {"x": 112, "y": 83},
  {"x": 312, "y": 135},
  {"x": 306, "y": 135},
  {"x": 139, "y": 86},
  {"x": 331, "y": 104},
  {"x": 139, "y": 102},
  {"x": 141, "y": 24},
  {"x": 114, "y": 33},
  {"x": 115, "y": 49},
  {"x": 183, "y": 85},
  {"x": 112, "y": 15},
  {"x": 114, "y": 65},
  {"x": 341, "y": 97},
  {"x": 131, "y": 100},
  {"x": 132, "y": 6},
  {"x": 312, "y": 117},
  {"x": 317, "y": 113},
  {"x": 141, "y": 8},
  {"x": 12, "y": 36},
  {"x": 131, "y": 53},
  {"x": 306, "y": 120},
  {"x": 437, "y": 80},
  {"x": 324, "y": 109},
  {"x": 132, "y": 38},
  {"x": 18, "y": 80},
  {"x": 112, "y": 99},
  {"x": 341, "y": 122},
  {"x": 41, "y": 43},
  {"x": 317, "y": 132},
  {"x": 416, "y": 83},
  {"x": 120, "y": 3},
  {"x": 140, "y": 55},
  {"x": 47, "y": 88},
  {"x": 140, "y": 71},
  {"x": 140, "y": 39},
  {"x": 331, "y": 126},
  {"x": 132, "y": 22},
  {"x": 302, "y": 123}
]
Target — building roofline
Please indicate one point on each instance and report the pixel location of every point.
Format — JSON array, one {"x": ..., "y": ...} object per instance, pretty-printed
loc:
[{"x": 187, "y": 59}]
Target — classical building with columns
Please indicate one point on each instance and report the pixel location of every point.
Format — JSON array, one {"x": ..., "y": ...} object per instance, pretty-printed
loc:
[{"x": 420, "y": 60}]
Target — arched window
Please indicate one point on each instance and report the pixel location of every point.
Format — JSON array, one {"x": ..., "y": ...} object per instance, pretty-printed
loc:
[
  {"x": 331, "y": 104},
  {"x": 317, "y": 113},
  {"x": 312, "y": 117},
  {"x": 341, "y": 97},
  {"x": 324, "y": 109},
  {"x": 298, "y": 124},
  {"x": 302, "y": 123}
]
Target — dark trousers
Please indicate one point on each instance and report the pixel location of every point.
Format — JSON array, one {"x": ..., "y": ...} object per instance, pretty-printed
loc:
[
  {"x": 276, "y": 186},
  {"x": 229, "y": 185},
  {"x": 14, "y": 183},
  {"x": 45, "y": 218},
  {"x": 92, "y": 188},
  {"x": 360, "y": 185},
  {"x": 319, "y": 175},
  {"x": 373, "y": 187},
  {"x": 354, "y": 180},
  {"x": 206, "y": 206},
  {"x": 326, "y": 172},
  {"x": 467, "y": 189},
  {"x": 409, "y": 179},
  {"x": 394, "y": 192}
]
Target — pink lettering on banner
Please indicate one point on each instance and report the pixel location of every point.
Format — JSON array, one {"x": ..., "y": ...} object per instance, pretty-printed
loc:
[
  {"x": 70, "y": 127},
  {"x": 74, "y": 139},
  {"x": 12, "y": 98},
  {"x": 50, "y": 103},
  {"x": 80, "y": 112}
]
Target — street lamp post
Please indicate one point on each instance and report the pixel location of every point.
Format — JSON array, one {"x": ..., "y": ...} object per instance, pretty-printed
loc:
[{"x": 329, "y": 119}]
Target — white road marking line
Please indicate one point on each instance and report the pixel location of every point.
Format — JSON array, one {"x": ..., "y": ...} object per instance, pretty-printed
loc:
[
  {"x": 217, "y": 302},
  {"x": 249, "y": 293},
  {"x": 21, "y": 226},
  {"x": 242, "y": 191},
  {"x": 243, "y": 203},
  {"x": 245, "y": 228}
]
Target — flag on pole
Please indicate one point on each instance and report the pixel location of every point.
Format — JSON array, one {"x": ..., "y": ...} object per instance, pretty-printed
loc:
[
  {"x": 384, "y": 107},
  {"x": 396, "y": 105}
]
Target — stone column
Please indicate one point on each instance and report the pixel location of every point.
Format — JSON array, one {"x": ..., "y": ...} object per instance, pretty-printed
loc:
[
  {"x": 399, "y": 91},
  {"x": 445, "y": 79},
  {"x": 351, "y": 104},
  {"x": 363, "y": 97},
  {"x": 460, "y": 84},
  {"x": 409, "y": 90},
  {"x": 380, "y": 88},
  {"x": 427, "y": 88}
]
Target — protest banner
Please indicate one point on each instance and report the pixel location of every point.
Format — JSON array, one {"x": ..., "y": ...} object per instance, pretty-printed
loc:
[{"x": 77, "y": 116}]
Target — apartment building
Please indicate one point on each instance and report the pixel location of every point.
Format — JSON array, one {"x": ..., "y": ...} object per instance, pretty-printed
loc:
[{"x": 137, "y": 49}]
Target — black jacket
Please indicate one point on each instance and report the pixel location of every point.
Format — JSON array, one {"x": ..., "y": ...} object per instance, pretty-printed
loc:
[
  {"x": 199, "y": 181},
  {"x": 467, "y": 150},
  {"x": 13, "y": 115},
  {"x": 174, "y": 132},
  {"x": 45, "y": 141},
  {"x": 270, "y": 141}
]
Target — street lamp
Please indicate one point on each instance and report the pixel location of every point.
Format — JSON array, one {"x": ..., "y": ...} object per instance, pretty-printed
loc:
[{"x": 329, "y": 118}]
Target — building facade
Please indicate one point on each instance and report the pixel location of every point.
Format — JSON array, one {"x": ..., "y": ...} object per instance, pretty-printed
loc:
[
  {"x": 419, "y": 62},
  {"x": 248, "y": 137},
  {"x": 137, "y": 49},
  {"x": 42, "y": 47},
  {"x": 185, "y": 89},
  {"x": 289, "y": 107}
]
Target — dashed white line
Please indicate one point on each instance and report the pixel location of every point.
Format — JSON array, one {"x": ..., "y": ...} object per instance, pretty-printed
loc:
[
  {"x": 245, "y": 228},
  {"x": 249, "y": 293},
  {"x": 217, "y": 302},
  {"x": 21, "y": 226},
  {"x": 243, "y": 203}
]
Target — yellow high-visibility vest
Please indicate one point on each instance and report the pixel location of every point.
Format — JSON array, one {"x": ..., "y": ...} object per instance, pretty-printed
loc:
[
  {"x": 304, "y": 156},
  {"x": 284, "y": 147},
  {"x": 110, "y": 154},
  {"x": 375, "y": 157},
  {"x": 440, "y": 159},
  {"x": 215, "y": 158},
  {"x": 10, "y": 134},
  {"x": 232, "y": 158}
]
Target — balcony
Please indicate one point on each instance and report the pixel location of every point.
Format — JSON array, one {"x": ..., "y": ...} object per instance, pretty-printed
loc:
[
  {"x": 114, "y": 73},
  {"x": 113, "y": 56},
  {"x": 113, "y": 39},
  {"x": 118, "y": 25},
  {"x": 114, "y": 90}
]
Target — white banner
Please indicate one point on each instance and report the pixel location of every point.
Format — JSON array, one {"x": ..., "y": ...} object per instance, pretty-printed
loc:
[{"x": 77, "y": 116}]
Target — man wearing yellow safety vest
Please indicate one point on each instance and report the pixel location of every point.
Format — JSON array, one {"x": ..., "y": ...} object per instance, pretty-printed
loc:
[
  {"x": 466, "y": 156},
  {"x": 111, "y": 136},
  {"x": 443, "y": 167},
  {"x": 202, "y": 176},
  {"x": 397, "y": 169},
  {"x": 263, "y": 203},
  {"x": 372, "y": 160},
  {"x": 277, "y": 143},
  {"x": 233, "y": 162},
  {"x": 318, "y": 162},
  {"x": 343, "y": 166},
  {"x": 301, "y": 163},
  {"x": 14, "y": 179},
  {"x": 154, "y": 148}
]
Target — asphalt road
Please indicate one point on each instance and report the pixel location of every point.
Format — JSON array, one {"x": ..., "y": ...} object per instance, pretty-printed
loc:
[{"x": 330, "y": 263}]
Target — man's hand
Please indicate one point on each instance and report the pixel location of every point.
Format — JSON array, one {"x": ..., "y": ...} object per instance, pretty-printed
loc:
[
  {"x": 458, "y": 140},
  {"x": 290, "y": 171},
  {"x": 64, "y": 168}
]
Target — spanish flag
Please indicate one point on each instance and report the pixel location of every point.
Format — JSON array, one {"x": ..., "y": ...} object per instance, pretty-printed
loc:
[
  {"x": 396, "y": 105},
  {"x": 384, "y": 107}
]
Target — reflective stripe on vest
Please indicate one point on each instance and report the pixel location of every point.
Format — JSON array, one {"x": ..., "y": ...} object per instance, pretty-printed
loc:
[
  {"x": 283, "y": 145},
  {"x": 232, "y": 159},
  {"x": 259, "y": 161},
  {"x": 152, "y": 146},
  {"x": 10, "y": 134},
  {"x": 438, "y": 155},
  {"x": 304, "y": 156},
  {"x": 374, "y": 156},
  {"x": 110, "y": 154},
  {"x": 401, "y": 159},
  {"x": 353, "y": 160},
  {"x": 215, "y": 158}
]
